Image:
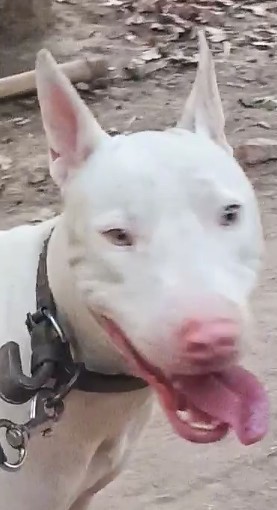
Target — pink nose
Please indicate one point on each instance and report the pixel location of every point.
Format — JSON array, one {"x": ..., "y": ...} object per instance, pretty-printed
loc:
[{"x": 211, "y": 341}]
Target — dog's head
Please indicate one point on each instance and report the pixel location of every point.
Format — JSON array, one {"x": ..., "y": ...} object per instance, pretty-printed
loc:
[{"x": 164, "y": 240}]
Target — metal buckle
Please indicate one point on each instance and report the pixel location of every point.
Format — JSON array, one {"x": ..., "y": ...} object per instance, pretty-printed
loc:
[
  {"x": 47, "y": 407},
  {"x": 39, "y": 316},
  {"x": 54, "y": 323},
  {"x": 17, "y": 438},
  {"x": 16, "y": 388}
]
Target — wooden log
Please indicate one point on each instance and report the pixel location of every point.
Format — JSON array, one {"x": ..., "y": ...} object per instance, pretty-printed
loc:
[{"x": 83, "y": 70}]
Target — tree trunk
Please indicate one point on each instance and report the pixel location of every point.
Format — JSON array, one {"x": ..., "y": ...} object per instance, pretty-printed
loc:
[{"x": 24, "y": 18}]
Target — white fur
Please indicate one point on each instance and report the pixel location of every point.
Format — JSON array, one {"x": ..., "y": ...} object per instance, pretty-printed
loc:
[{"x": 169, "y": 190}]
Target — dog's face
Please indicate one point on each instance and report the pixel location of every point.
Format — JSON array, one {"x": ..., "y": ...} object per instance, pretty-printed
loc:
[{"x": 165, "y": 240}]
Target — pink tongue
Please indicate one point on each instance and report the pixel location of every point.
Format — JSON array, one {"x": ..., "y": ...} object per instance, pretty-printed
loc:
[{"x": 235, "y": 397}]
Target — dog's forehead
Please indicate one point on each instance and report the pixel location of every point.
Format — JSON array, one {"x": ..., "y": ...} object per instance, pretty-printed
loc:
[{"x": 158, "y": 169}]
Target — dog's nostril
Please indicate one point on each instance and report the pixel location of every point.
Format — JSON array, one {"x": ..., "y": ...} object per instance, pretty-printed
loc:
[
  {"x": 211, "y": 348},
  {"x": 207, "y": 341},
  {"x": 198, "y": 347}
]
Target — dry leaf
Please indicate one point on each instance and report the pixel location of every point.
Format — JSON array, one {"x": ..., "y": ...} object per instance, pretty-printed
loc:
[
  {"x": 216, "y": 35},
  {"x": 157, "y": 26},
  {"x": 5, "y": 163},
  {"x": 38, "y": 176},
  {"x": 68, "y": 2},
  {"x": 263, "y": 124},
  {"x": 136, "y": 19},
  {"x": 258, "y": 10},
  {"x": 146, "y": 7},
  {"x": 21, "y": 121},
  {"x": 135, "y": 69},
  {"x": 150, "y": 55},
  {"x": 179, "y": 57},
  {"x": 236, "y": 85},
  {"x": 256, "y": 151},
  {"x": 266, "y": 103},
  {"x": 130, "y": 37},
  {"x": 82, "y": 86},
  {"x": 262, "y": 45},
  {"x": 226, "y": 49},
  {"x": 113, "y": 3}
]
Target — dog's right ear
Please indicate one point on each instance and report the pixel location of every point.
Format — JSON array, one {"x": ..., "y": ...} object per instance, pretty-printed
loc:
[{"x": 72, "y": 131}]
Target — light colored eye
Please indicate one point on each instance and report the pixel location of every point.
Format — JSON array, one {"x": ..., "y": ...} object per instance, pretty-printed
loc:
[
  {"x": 118, "y": 237},
  {"x": 230, "y": 215}
]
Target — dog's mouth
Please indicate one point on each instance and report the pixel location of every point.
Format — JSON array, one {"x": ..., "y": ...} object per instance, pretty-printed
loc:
[{"x": 203, "y": 408}]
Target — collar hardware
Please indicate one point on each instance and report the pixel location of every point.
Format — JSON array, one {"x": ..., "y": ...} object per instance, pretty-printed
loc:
[{"x": 54, "y": 373}]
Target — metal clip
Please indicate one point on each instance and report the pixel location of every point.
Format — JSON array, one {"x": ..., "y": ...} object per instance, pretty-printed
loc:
[
  {"x": 45, "y": 410},
  {"x": 46, "y": 340},
  {"x": 17, "y": 438}
]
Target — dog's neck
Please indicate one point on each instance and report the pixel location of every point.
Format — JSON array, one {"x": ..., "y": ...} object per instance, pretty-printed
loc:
[{"x": 92, "y": 345}]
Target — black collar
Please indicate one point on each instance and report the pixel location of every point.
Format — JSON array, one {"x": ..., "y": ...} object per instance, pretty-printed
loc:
[{"x": 86, "y": 380}]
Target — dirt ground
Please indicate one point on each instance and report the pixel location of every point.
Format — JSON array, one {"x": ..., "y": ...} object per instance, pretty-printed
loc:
[{"x": 165, "y": 472}]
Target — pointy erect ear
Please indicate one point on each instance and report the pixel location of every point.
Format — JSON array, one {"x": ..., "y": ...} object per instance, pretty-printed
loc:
[
  {"x": 203, "y": 110},
  {"x": 72, "y": 131}
]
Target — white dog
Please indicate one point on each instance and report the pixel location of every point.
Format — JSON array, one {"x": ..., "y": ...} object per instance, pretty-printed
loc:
[{"x": 151, "y": 265}]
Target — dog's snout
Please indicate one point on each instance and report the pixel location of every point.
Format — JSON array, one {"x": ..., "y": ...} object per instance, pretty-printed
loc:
[{"x": 210, "y": 341}]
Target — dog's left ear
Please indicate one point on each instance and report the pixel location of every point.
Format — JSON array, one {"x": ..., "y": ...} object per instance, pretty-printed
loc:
[{"x": 203, "y": 110}]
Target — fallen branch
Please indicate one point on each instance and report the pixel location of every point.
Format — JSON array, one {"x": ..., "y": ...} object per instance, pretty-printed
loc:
[{"x": 85, "y": 70}]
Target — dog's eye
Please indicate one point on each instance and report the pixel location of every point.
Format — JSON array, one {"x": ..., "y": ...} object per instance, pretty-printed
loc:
[
  {"x": 230, "y": 215},
  {"x": 119, "y": 237}
]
